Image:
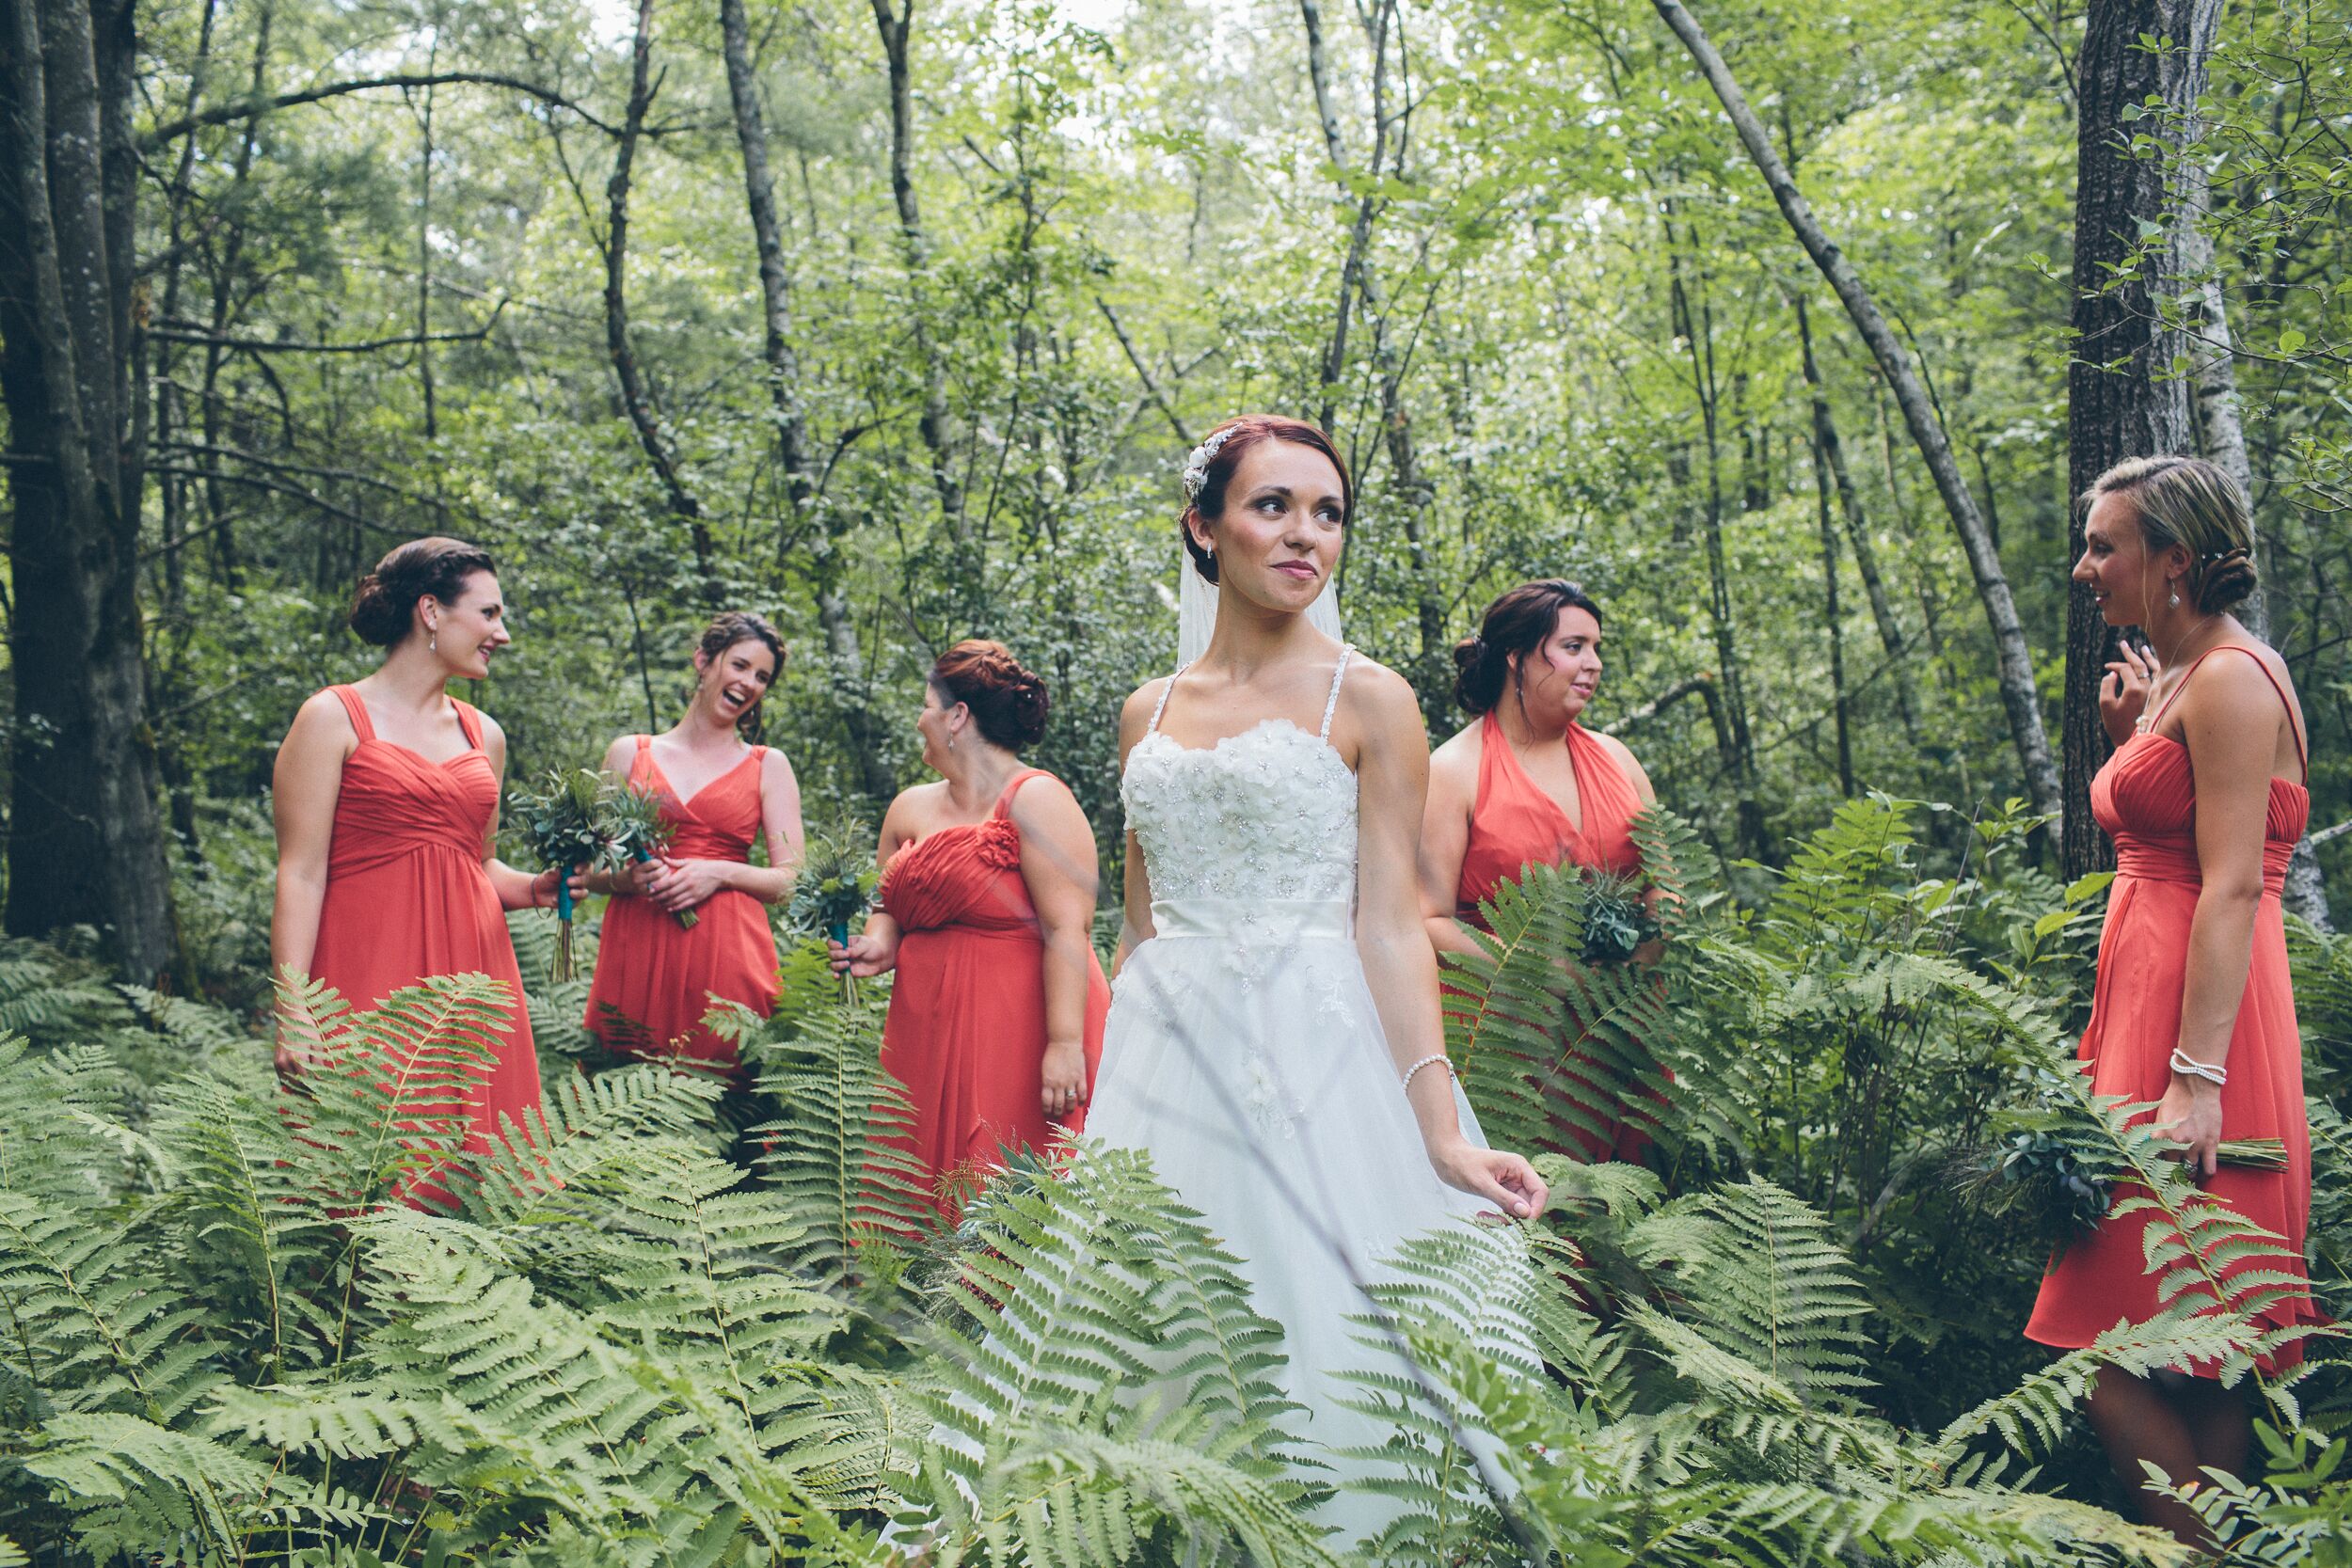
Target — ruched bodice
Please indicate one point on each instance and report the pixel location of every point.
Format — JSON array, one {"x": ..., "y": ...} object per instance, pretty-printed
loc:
[
  {"x": 2146, "y": 799},
  {"x": 394, "y": 803},
  {"x": 967, "y": 875}
]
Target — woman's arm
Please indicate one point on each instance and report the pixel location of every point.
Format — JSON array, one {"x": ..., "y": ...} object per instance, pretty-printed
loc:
[
  {"x": 2230, "y": 722},
  {"x": 516, "y": 890},
  {"x": 1057, "y": 866},
  {"x": 304, "y": 784},
  {"x": 1392, "y": 778},
  {"x": 1445, "y": 826},
  {"x": 875, "y": 949},
  {"x": 1135, "y": 926}
]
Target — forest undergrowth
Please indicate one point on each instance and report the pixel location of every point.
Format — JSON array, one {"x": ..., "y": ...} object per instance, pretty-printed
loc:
[{"x": 674, "y": 1323}]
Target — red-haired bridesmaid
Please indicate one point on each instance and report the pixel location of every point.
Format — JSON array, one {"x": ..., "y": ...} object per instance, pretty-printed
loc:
[
  {"x": 655, "y": 978},
  {"x": 995, "y": 1021},
  {"x": 2193, "y": 1007},
  {"x": 386, "y": 795},
  {"x": 1528, "y": 784}
]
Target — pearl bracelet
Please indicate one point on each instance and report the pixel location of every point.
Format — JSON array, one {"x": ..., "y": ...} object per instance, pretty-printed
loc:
[
  {"x": 1430, "y": 1060},
  {"x": 2190, "y": 1067}
]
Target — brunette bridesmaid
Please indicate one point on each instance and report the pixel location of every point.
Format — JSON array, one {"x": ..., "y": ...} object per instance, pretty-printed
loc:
[
  {"x": 719, "y": 792},
  {"x": 988, "y": 890},
  {"x": 2192, "y": 1008},
  {"x": 386, "y": 795},
  {"x": 1527, "y": 783}
]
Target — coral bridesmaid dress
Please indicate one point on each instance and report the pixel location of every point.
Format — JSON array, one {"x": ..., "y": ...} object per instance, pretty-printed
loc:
[
  {"x": 1514, "y": 824},
  {"x": 408, "y": 898},
  {"x": 966, "y": 1029},
  {"x": 656, "y": 979},
  {"x": 2146, "y": 799}
]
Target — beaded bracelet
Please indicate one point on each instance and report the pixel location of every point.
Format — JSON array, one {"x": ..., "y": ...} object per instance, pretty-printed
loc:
[
  {"x": 2190, "y": 1067},
  {"x": 1430, "y": 1060}
]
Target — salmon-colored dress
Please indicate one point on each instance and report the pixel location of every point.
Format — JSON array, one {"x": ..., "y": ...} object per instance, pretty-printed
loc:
[
  {"x": 2146, "y": 799},
  {"x": 655, "y": 978},
  {"x": 408, "y": 898},
  {"x": 966, "y": 1029},
  {"x": 1514, "y": 824}
]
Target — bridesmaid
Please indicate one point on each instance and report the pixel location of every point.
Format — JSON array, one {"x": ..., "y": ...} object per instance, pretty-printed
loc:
[
  {"x": 386, "y": 795},
  {"x": 1528, "y": 784},
  {"x": 987, "y": 894},
  {"x": 2192, "y": 1008},
  {"x": 655, "y": 978}
]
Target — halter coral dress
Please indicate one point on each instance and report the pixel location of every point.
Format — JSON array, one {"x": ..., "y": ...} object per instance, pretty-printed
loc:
[
  {"x": 2146, "y": 799},
  {"x": 1514, "y": 824},
  {"x": 966, "y": 1029},
  {"x": 655, "y": 978},
  {"x": 408, "y": 898}
]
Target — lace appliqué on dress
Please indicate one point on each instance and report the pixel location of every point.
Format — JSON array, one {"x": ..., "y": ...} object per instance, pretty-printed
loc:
[{"x": 1268, "y": 813}]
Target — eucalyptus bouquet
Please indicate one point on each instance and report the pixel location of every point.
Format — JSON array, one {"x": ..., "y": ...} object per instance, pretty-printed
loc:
[
  {"x": 1617, "y": 918},
  {"x": 835, "y": 885},
  {"x": 565, "y": 819},
  {"x": 635, "y": 832}
]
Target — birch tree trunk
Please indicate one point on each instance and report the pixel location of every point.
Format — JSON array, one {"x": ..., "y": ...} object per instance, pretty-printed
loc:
[
  {"x": 845, "y": 660},
  {"x": 2122, "y": 399},
  {"x": 86, "y": 843},
  {"x": 2013, "y": 657}
]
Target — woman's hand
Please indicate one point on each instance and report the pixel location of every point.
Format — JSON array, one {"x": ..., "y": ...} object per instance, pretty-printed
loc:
[
  {"x": 680, "y": 885},
  {"x": 864, "y": 955},
  {"x": 297, "y": 1048},
  {"x": 1065, "y": 1088},
  {"x": 2190, "y": 1112},
  {"x": 1503, "y": 1178},
  {"x": 637, "y": 882},
  {"x": 543, "y": 888},
  {"x": 2124, "y": 691}
]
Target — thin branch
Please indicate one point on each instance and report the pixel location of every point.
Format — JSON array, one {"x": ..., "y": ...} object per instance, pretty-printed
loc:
[
  {"x": 264, "y": 345},
  {"x": 249, "y": 108}
]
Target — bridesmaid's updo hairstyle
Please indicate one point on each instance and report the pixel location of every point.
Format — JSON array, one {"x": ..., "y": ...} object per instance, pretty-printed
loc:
[
  {"x": 384, "y": 607},
  {"x": 2189, "y": 502},
  {"x": 1008, "y": 702},
  {"x": 727, "y": 628},
  {"x": 1520, "y": 622},
  {"x": 1210, "y": 470}
]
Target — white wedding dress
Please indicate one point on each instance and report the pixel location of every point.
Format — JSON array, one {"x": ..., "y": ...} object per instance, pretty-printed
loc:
[{"x": 1244, "y": 1054}]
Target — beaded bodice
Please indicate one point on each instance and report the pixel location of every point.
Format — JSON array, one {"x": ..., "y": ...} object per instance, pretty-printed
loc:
[{"x": 1265, "y": 815}]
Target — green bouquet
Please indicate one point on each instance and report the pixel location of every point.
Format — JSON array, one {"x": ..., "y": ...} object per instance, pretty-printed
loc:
[
  {"x": 1617, "y": 918},
  {"x": 565, "y": 819},
  {"x": 836, "y": 882},
  {"x": 635, "y": 832}
]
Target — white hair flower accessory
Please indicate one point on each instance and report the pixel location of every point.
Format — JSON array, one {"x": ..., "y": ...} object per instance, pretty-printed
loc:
[{"x": 1196, "y": 465}]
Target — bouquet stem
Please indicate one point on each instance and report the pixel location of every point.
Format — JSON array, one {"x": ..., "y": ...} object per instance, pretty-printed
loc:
[
  {"x": 839, "y": 931},
  {"x": 561, "y": 970}
]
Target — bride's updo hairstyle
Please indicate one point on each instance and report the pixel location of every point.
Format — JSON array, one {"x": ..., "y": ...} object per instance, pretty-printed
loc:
[
  {"x": 1520, "y": 622},
  {"x": 1226, "y": 446},
  {"x": 384, "y": 607},
  {"x": 1007, "y": 701},
  {"x": 2189, "y": 502}
]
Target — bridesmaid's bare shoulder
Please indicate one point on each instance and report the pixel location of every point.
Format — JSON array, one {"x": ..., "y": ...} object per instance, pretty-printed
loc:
[
  {"x": 1454, "y": 766},
  {"x": 322, "y": 722}
]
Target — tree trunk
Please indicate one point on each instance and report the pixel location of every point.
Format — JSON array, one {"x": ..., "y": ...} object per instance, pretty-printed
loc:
[
  {"x": 2013, "y": 657},
  {"x": 1832, "y": 452},
  {"x": 845, "y": 662},
  {"x": 1833, "y": 615},
  {"x": 86, "y": 844},
  {"x": 635, "y": 398},
  {"x": 2121, "y": 400}
]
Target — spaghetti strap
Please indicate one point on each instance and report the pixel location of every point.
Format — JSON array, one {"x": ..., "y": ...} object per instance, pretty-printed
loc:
[
  {"x": 469, "y": 721},
  {"x": 1004, "y": 802},
  {"x": 357, "y": 709},
  {"x": 1166, "y": 692},
  {"x": 1331, "y": 704},
  {"x": 2293, "y": 731}
]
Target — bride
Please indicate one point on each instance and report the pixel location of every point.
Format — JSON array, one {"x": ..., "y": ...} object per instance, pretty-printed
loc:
[{"x": 1276, "y": 984}]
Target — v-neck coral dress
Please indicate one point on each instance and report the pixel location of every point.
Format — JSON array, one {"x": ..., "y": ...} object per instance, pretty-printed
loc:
[
  {"x": 1514, "y": 824},
  {"x": 2146, "y": 799},
  {"x": 408, "y": 898},
  {"x": 655, "y": 978},
  {"x": 966, "y": 1029}
]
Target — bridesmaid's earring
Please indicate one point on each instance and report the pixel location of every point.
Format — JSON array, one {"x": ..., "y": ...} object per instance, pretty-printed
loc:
[
  {"x": 433, "y": 637},
  {"x": 2175, "y": 600}
]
